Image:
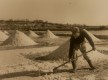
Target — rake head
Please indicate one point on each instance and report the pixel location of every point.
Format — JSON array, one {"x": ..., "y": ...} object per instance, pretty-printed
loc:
[{"x": 55, "y": 70}]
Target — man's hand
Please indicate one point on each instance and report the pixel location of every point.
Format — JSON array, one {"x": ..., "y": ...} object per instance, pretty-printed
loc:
[{"x": 70, "y": 59}]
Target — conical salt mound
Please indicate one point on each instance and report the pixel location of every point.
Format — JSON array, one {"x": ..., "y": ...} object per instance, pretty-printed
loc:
[
  {"x": 32, "y": 34},
  {"x": 3, "y": 36},
  {"x": 62, "y": 54},
  {"x": 19, "y": 39},
  {"x": 50, "y": 35},
  {"x": 59, "y": 53},
  {"x": 92, "y": 36}
]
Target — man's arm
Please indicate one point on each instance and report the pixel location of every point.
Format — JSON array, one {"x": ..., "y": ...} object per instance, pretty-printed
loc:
[
  {"x": 89, "y": 39},
  {"x": 71, "y": 48}
]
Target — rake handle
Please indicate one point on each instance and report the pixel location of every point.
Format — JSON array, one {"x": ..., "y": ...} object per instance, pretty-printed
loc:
[{"x": 69, "y": 61}]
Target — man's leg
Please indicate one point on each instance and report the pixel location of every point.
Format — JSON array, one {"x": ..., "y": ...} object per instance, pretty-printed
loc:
[
  {"x": 83, "y": 50},
  {"x": 74, "y": 60}
]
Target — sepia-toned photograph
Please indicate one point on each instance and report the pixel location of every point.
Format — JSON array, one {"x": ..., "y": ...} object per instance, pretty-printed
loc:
[{"x": 53, "y": 39}]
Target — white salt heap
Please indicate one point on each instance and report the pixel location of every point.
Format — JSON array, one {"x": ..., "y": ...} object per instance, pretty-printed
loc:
[
  {"x": 3, "y": 36},
  {"x": 50, "y": 35},
  {"x": 19, "y": 39},
  {"x": 63, "y": 50},
  {"x": 32, "y": 34},
  {"x": 92, "y": 36},
  {"x": 59, "y": 53}
]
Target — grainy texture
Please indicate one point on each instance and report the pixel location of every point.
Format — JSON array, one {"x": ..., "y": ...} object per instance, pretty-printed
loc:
[
  {"x": 3, "y": 36},
  {"x": 32, "y": 34},
  {"x": 50, "y": 35},
  {"x": 19, "y": 39}
]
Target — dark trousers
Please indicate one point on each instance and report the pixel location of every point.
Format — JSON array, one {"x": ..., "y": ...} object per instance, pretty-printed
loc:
[{"x": 82, "y": 48}]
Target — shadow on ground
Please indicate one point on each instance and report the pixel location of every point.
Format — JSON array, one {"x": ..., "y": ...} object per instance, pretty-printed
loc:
[
  {"x": 30, "y": 74},
  {"x": 35, "y": 73}
]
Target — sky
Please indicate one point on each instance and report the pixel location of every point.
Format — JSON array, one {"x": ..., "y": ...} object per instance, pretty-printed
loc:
[{"x": 89, "y": 12}]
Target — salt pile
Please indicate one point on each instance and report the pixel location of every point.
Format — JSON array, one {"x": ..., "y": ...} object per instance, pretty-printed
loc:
[
  {"x": 92, "y": 36},
  {"x": 50, "y": 35},
  {"x": 62, "y": 54},
  {"x": 19, "y": 39},
  {"x": 59, "y": 53},
  {"x": 32, "y": 34},
  {"x": 3, "y": 36}
]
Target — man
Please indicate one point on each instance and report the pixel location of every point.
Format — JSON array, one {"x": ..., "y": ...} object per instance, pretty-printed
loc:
[{"x": 77, "y": 41}]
